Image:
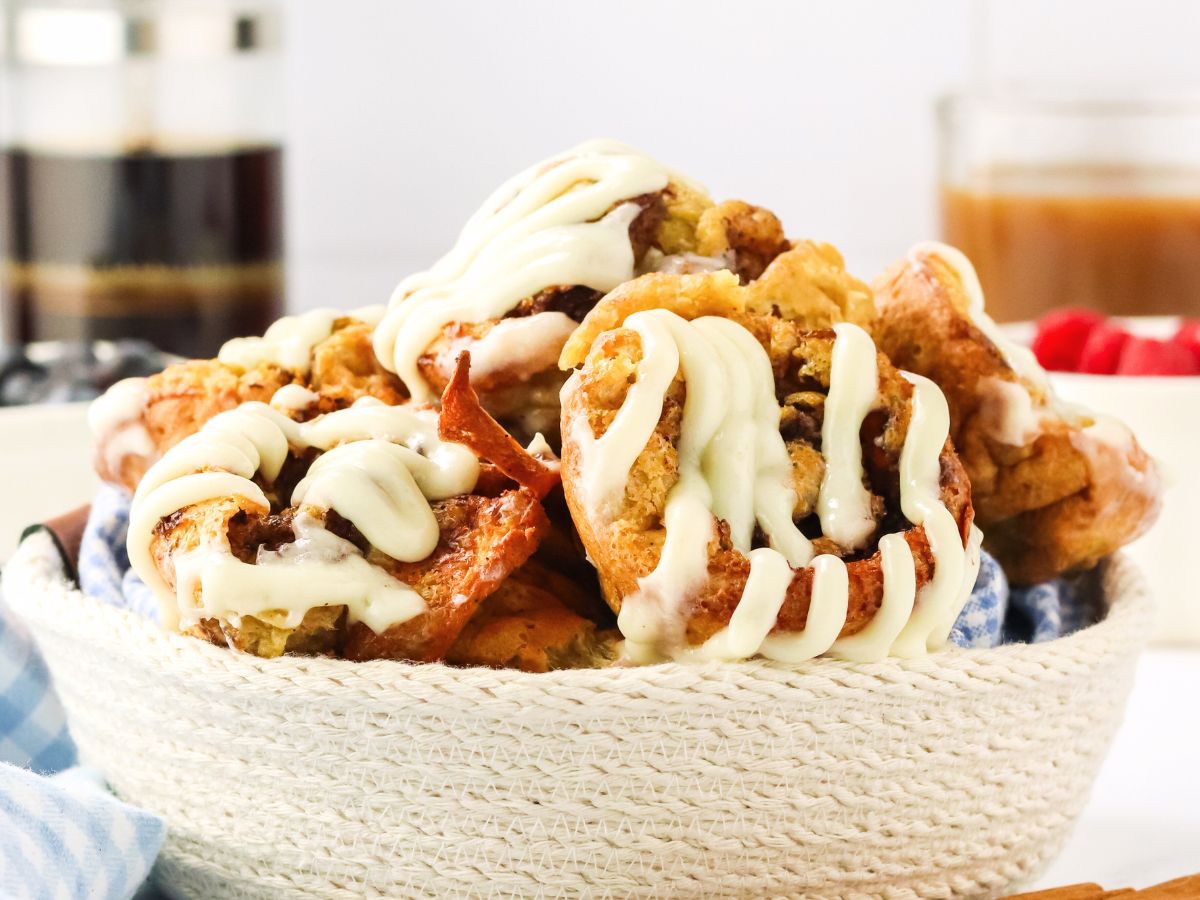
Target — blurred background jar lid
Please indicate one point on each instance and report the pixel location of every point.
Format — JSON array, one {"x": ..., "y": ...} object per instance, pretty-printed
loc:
[{"x": 103, "y": 33}]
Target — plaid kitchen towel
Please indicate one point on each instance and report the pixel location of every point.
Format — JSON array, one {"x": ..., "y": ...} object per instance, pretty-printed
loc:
[
  {"x": 33, "y": 730},
  {"x": 65, "y": 836},
  {"x": 61, "y": 833}
]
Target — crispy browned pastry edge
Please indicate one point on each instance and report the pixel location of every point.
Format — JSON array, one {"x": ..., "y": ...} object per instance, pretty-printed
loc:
[
  {"x": 1062, "y": 502},
  {"x": 464, "y": 420}
]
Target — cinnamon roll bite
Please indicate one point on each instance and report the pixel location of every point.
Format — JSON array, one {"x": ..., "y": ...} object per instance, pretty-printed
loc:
[
  {"x": 760, "y": 455},
  {"x": 1056, "y": 487},
  {"x": 748, "y": 486},
  {"x": 303, "y": 365},
  {"x": 362, "y": 532},
  {"x": 525, "y": 270}
]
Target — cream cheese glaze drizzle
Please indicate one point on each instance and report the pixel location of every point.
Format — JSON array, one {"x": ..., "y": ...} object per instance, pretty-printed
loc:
[
  {"x": 525, "y": 345},
  {"x": 734, "y": 465},
  {"x": 562, "y": 222},
  {"x": 115, "y": 420},
  {"x": 844, "y": 504},
  {"x": 289, "y": 342},
  {"x": 293, "y": 398},
  {"x": 381, "y": 466}
]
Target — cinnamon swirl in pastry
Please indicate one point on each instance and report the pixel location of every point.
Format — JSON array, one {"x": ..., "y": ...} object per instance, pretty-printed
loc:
[
  {"x": 304, "y": 365},
  {"x": 361, "y": 532},
  {"x": 747, "y": 486},
  {"x": 1056, "y": 487}
]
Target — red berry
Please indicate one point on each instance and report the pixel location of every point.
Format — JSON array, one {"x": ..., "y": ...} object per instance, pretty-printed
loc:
[
  {"x": 1188, "y": 334},
  {"x": 1102, "y": 349},
  {"x": 1147, "y": 356},
  {"x": 1060, "y": 336}
]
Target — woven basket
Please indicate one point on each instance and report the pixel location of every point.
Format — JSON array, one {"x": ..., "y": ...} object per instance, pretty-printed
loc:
[{"x": 958, "y": 775}]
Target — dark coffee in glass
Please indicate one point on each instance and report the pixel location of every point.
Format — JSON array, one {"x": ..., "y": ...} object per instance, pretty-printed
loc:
[
  {"x": 141, "y": 172},
  {"x": 184, "y": 249}
]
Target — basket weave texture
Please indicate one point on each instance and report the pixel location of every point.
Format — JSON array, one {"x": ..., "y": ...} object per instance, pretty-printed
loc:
[{"x": 958, "y": 775}]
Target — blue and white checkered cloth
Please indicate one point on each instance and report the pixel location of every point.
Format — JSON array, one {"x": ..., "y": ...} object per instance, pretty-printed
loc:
[
  {"x": 104, "y": 571},
  {"x": 65, "y": 835},
  {"x": 33, "y": 729},
  {"x": 62, "y": 835}
]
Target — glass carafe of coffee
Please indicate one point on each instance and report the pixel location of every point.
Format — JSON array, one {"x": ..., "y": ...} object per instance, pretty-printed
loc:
[{"x": 142, "y": 171}]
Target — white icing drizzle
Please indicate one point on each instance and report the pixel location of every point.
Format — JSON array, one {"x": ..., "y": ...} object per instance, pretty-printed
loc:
[
  {"x": 1012, "y": 414},
  {"x": 293, "y": 398},
  {"x": 115, "y": 420},
  {"x": 733, "y": 465},
  {"x": 827, "y": 608},
  {"x": 540, "y": 447},
  {"x": 1006, "y": 412},
  {"x": 289, "y": 342},
  {"x": 684, "y": 263},
  {"x": 317, "y": 564},
  {"x": 873, "y": 642},
  {"x": 844, "y": 504},
  {"x": 611, "y": 456},
  {"x": 369, "y": 483},
  {"x": 755, "y": 614},
  {"x": 381, "y": 466},
  {"x": 920, "y": 501},
  {"x": 522, "y": 346},
  {"x": 561, "y": 222}
]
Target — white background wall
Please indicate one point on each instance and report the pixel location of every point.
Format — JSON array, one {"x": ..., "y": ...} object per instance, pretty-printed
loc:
[{"x": 405, "y": 113}]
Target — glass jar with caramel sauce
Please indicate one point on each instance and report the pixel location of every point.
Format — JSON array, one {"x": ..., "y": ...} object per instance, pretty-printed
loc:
[{"x": 1075, "y": 203}]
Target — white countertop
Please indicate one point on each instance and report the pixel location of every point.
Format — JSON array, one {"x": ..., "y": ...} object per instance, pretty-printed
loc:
[{"x": 1141, "y": 827}]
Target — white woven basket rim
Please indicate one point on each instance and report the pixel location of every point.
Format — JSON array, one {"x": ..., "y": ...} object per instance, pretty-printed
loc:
[{"x": 82, "y": 617}]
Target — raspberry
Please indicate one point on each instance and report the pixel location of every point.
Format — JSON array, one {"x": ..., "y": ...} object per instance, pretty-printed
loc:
[
  {"x": 1146, "y": 356},
  {"x": 1102, "y": 349},
  {"x": 1060, "y": 336},
  {"x": 1188, "y": 335}
]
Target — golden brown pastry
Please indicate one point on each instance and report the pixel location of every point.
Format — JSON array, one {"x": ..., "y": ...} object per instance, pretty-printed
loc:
[
  {"x": 308, "y": 364},
  {"x": 1056, "y": 488},
  {"x": 744, "y": 472},
  {"x": 726, "y": 466},
  {"x": 362, "y": 532},
  {"x": 539, "y": 254},
  {"x": 538, "y": 620}
]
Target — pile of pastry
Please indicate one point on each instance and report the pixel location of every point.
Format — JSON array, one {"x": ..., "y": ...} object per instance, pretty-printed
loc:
[{"x": 617, "y": 421}]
